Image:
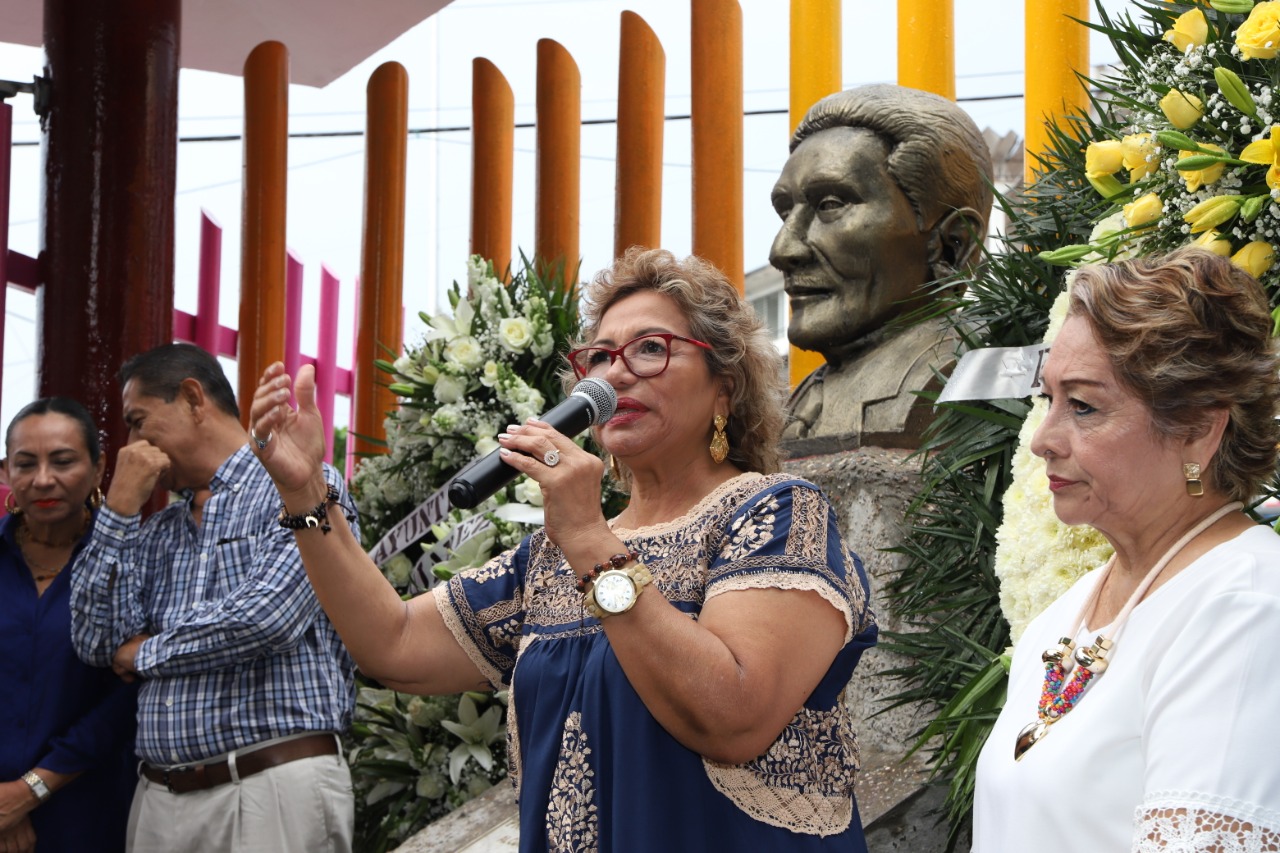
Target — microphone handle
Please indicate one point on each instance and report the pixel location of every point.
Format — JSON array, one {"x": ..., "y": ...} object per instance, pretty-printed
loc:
[{"x": 484, "y": 477}]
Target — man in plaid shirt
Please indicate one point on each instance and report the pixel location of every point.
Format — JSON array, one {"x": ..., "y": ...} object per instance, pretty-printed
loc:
[{"x": 245, "y": 684}]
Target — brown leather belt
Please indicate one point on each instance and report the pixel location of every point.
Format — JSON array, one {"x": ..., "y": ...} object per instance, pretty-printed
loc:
[{"x": 184, "y": 780}]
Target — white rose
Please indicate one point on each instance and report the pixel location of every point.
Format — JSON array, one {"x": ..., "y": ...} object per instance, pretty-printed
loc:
[
  {"x": 397, "y": 570},
  {"x": 529, "y": 492},
  {"x": 450, "y": 389},
  {"x": 465, "y": 351},
  {"x": 515, "y": 334},
  {"x": 395, "y": 489}
]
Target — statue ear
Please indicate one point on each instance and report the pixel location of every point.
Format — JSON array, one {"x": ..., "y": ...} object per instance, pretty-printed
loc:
[{"x": 955, "y": 242}]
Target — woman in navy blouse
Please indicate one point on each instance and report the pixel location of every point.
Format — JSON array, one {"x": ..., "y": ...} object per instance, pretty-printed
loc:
[{"x": 66, "y": 728}]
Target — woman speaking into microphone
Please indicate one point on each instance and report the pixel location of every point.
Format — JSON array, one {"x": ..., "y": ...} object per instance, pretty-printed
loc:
[{"x": 675, "y": 671}]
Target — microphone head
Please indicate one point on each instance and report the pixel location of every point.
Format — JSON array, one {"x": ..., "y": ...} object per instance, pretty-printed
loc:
[{"x": 601, "y": 397}]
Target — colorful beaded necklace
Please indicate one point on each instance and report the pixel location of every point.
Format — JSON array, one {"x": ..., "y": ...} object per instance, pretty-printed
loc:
[{"x": 1061, "y": 693}]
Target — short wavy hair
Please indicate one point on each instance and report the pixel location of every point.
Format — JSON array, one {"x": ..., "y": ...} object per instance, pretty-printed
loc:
[
  {"x": 1189, "y": 332},
  {"x": 937, "y": 155},
  {"x": 741, "y": 350}
]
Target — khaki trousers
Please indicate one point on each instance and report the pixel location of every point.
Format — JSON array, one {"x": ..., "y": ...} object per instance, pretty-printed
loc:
[{"x": 303, "y": 806}]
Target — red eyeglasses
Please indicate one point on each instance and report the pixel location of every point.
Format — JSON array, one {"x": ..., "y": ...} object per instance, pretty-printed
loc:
[{"x": 647, "y": 355}]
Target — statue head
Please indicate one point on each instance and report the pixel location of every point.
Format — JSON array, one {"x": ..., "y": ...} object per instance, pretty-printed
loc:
[{"x": 886, "y": 189}]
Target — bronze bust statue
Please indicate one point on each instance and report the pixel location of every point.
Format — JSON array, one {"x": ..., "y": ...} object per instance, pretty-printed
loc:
[{"x": 886, "y": 190}]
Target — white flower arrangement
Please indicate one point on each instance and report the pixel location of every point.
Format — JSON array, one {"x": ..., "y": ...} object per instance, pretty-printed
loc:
[{"x": 493, "y": 362}]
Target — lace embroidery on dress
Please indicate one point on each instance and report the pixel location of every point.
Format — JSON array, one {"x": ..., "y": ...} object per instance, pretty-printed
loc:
[
  {"x": 1188, "y": 822},
  {"x": 804, "y": 782},
  {"x": 573, "y": 822}
]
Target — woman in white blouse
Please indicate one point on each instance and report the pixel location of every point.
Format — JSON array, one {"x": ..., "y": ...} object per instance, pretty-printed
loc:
[{"x": 1142, "y": 704}]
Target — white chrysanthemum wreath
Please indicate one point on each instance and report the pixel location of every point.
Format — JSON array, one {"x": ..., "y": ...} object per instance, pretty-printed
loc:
[{"x": 1037, "y": 556}]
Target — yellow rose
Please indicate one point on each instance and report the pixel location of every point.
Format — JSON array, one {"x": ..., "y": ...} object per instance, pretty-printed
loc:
[
  {"x": 1214, "y": 242},
  {"x": 1197, "y": 178},
  {"x": 1103, "y": 158},
  {"x": 1212, "y": 212},
  {"x": 1143, "y": 210},
  {"x": 1255, "y": 258},
  {"x": 1190, "y": 30},
  {"x": 1139, "y": 154},
  {"x": 1259, "y": 36},
  {"x": 1182, "y": 109}
]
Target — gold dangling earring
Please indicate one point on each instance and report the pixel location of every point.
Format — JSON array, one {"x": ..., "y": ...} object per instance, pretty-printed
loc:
[
  {"x": 11, "y": 505},
  {"x": 719, "y": 441},
  {"x": 1191, "y": 470},
  {"x": 94, "y": 501},
  {"x": 615, "y": 470}
]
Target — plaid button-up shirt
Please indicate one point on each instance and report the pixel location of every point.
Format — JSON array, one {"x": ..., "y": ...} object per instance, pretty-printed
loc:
[{"x": 240, "y": 651}]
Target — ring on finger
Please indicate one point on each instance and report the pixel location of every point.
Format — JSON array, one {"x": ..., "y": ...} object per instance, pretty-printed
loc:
[
  {"x": 261, "y": 442},
  {"x": 551, "y": 458}
]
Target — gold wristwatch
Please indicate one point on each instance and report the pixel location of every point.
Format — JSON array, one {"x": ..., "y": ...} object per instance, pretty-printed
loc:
[{"x": 616, "y": 590}]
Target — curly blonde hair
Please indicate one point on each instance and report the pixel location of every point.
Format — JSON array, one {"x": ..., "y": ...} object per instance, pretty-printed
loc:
[
  {"x": 1189, "y": 332},
  {"x": 741, "y": 350}
]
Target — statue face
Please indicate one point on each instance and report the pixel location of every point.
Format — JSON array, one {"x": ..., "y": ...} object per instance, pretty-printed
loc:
[{"x": 849, "y": 248}]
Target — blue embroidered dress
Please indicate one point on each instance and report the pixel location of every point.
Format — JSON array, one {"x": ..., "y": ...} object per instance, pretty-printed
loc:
[{"x": 593, "y": 768}]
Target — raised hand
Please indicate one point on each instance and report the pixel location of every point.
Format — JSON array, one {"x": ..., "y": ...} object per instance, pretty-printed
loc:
[
  {"x": 294, "y": 448},
  {"x": 139, "y": 466}
]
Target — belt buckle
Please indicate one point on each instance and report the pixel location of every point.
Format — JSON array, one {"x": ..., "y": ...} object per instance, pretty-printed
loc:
[{"x": 168, "y": 780}]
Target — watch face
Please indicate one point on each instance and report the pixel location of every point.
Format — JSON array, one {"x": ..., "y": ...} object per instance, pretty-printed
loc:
[{"x": 615, "y": 592}]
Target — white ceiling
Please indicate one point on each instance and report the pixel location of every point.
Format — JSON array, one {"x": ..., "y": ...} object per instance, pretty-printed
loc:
[{"x": 325, "y": 38}]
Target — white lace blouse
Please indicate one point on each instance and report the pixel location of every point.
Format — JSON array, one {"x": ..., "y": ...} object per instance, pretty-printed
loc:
[{"x": 1176, "y": 747}]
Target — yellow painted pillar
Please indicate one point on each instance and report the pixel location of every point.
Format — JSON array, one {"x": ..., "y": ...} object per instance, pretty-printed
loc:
[
  {"x": 1057, "y": 48},
  {"x": 927, "y": 45},
  {"x": 717, "y": 135},
  {"x": 262, "y": 223},
  {"x": 642, "y": 71},
  {"x": 381, "y": 253},
  {"x": 815, "y": 73},
  {"x": 493, "y": 122},
  {"x": 559, "y": 161}
]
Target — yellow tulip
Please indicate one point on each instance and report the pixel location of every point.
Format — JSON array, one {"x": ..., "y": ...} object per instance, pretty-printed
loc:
[
  {"x": 1190, "y": 30},
  {"x": 1197, "y": 178},
  {"x": 1259, "y": 36},
  {"x": 1212, "y": 212},
  {"x": 1266, "y": 152},
  {"x": 1255, "y": 258},
  {"x": 1214, "y": 242},
  {"x": 1182, "y": 109},
  {"x": 1143, "y": 210},
  {"x": 1140, "y": 155},
  {"x": 1103, "y": 158}
]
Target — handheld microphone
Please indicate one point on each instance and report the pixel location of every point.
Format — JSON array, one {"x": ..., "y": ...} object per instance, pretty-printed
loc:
[{"x": 592, "y": 401}]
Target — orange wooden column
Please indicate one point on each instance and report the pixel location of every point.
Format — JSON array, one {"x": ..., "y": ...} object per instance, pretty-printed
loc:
[
  {"x": 381, "y": 253},
  {"x": 637, "y": 219},
  {"x": 493, "y": 121},
  {"x": 262, "y": 222},
  {"x": 717, "y": 135},
  {"x": 559, "y": 154},
  {"x": 1057, "y": 48},
  {"x": 815, "y": 73},
  {"x": 927, "y": 45}
]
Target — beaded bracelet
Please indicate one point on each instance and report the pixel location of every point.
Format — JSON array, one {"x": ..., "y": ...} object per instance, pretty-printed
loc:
[
  {"x": 317, "y": 516},
  {"x": 617, "y": 561}
]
